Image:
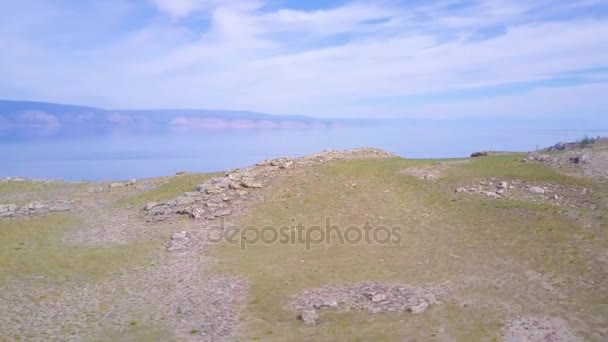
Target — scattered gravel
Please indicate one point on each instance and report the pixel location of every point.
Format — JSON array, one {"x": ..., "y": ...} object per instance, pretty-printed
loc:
[
  {"x": 532, "y": 329},
  {"x": 372, "y": 297}
]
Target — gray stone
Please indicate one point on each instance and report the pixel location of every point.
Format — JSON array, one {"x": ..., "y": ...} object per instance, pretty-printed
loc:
[
  {"x": 7, "y": 208},
  {"x": 420, "y": 308},
  {"x": 248, "y": 183},
  {"x": 117, "y": 185},
  {"x": 150, "y": 206},
  {"x": 286, "y": 165},
  {"x": 184, "y": 200},
  {"x": 34, "y": 206},
  {"x": 537, "y": 190},
  {"x": 492, "y": 194},
  {"x": 309, "y": 317},
  {"x": 234, "y": 186},
  {"x": 59, "y": 206},
  {"x": 378, "y": 297},
  {"x": 179, "y": 241},
  {"x": 214, "y": 190}
]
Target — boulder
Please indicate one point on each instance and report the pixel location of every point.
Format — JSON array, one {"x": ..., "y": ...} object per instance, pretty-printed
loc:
[
  {"x": 309, "y": 317},
  {"x": 249, "y": 183},
  {"x": 234, "y": 186},
  {"x": 420, "y": 308},
  {"x": 286, "y": 165},
  {"x": 35, "y": 206},
  {"x": 214, "y": 190},
  {"x": 150, "y": 206},
  {"x": 378, "y": 297},
  {"x": 537, "y": 190}
]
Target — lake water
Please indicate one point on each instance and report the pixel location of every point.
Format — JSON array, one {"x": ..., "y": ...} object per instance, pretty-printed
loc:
[{"x": 136, "y": 155}]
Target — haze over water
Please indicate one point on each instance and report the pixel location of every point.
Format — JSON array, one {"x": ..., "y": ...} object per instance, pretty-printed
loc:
[{"x": 128, "y": 155}]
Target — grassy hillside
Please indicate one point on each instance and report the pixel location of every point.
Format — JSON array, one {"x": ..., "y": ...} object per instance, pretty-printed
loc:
[{"x": 492, "y": 256}]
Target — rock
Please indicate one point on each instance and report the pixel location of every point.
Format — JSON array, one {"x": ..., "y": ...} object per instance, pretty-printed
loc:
[
  {"x": 7, "y": 210},
  {"x": 59, "y": 206},
  {"x": 579, "y": 159},
  {"x": 215, "y": 190},
  {"x": 479, "y": 154},
  {"x": 537, "y": 190},
  {"x": 420, "y": 308},
  {"x": 222, "y": 212},
  {"x": 117, "y": 185},
  {"x": 234, "y": 186},
  {"x": 247, "y": 183},
  {"x": 132, "y": 182},
  {"x": 309, "y": 317},
  {"x": 492, "y": 194},
  {"x": 150, "y": 206},
  {"x": 180, "y": 201},
  {"x": 327, "y": 304},
  {"x": 378, "y": 297},
  {"x": 192, "y": 194},
  {"x": 286, "y": 165},
  {"x": 234, "y": 176},
  {"x": 503, "y": 185},
  {"x": 179, "y": 241},
  {"x": 194, "y": 212},
  {"x": 461, "y": 190},
  {"x": 34, "y": 206}
]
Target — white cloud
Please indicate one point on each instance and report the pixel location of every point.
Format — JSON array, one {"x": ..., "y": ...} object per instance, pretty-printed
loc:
[{"x": 238, "y": 54}]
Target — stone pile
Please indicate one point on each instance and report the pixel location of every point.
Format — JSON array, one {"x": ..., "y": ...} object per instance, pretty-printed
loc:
[
  {"x": 227, "y": 195},
  {"x": 558, "y": 194},
  {"x": 34, "y": 208},
  {"x": 371, "y": 297}
]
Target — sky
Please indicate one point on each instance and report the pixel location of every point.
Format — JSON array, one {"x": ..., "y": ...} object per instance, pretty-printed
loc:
[{"x": 388, "y": 58}]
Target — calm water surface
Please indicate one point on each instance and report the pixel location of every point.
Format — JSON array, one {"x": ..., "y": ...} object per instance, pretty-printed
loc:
[{"x": 132, "y": 155}]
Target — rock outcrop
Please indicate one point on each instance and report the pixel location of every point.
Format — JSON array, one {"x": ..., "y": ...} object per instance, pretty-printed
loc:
[
  {"x": 34, "y": 208},
  {"x": 228, "y": 194}
]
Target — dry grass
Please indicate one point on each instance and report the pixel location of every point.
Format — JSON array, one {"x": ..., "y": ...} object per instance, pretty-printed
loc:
[
  {"x": 496, "y": 258},
  {"x": 171, "y": 188},
  {"x": 32, "y": 248}
]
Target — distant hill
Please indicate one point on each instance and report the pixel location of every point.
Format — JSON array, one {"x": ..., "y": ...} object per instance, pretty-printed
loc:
[{"x": 52, "y": 116}]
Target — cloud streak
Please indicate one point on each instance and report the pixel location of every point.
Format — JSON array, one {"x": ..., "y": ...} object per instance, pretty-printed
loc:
[{"x": 335, "y": 61}]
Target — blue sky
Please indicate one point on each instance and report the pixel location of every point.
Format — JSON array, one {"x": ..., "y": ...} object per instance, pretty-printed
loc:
[{"x": 422, "y": 59}]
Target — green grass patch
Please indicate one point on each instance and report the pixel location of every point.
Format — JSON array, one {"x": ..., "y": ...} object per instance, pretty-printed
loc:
[
  {"x": 32, "y": 248},
  {"x": 510, "y": 167},
  {"x": 168, "y": 190}
]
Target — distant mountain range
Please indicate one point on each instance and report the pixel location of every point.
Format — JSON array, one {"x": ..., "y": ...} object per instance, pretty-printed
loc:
[
  {"x": 29, "y": 119},
  {"x": 52, "y": 116}
]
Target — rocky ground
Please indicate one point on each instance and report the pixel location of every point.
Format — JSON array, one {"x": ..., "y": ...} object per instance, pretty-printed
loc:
[{"x": 499, "y": 247}]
